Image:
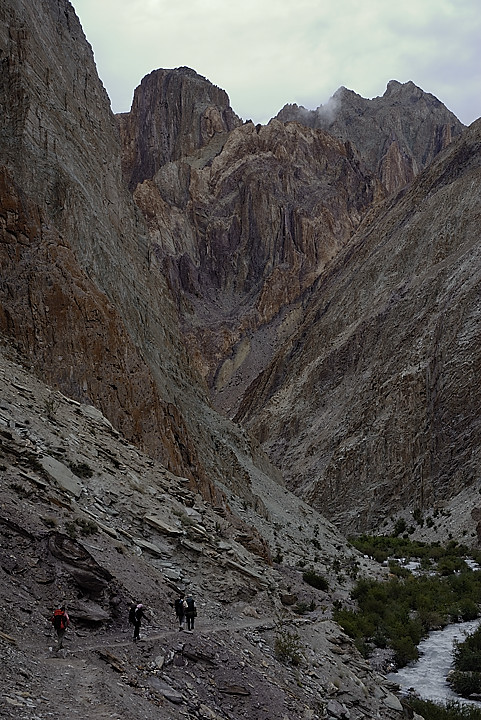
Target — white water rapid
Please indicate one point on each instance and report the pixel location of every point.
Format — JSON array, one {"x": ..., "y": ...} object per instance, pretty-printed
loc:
[{"x": 427, "y": 676}]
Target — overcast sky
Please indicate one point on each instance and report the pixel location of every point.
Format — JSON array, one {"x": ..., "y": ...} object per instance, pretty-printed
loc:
[{"x": 266, "y": 53}]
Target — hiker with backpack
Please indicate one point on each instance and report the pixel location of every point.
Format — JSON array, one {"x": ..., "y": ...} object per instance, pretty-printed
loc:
[
  {"x": 179, "y": 610},
  {"x": 60, "y": 620},
  {"x": 190, "y": 612},
  {"x": 136, "y": 613}
]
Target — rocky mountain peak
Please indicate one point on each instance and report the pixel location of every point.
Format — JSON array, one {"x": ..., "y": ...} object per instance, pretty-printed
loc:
[
  {"x": 174, "y": 113},
  {"x": 397, "y": 134}
]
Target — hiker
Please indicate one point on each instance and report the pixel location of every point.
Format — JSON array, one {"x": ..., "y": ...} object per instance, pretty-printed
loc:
[
  {"x": 190, "y": 611},
  {"x": 60, "y": 620},
  {"x": 179, "y": 610},
  {"x": 136, "y": 613}
]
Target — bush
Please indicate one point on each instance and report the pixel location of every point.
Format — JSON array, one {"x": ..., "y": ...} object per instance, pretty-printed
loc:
[
  {"x": 467, "y": 654},
  {"x": 400, "y": 527},
  {"x": 468, "y": 609},
  {"x": 465, "y": 683},
  {"x": 287, "y": 644},
  {"x": 403, "y": 611},
  {"x": 452, "y": 710},
  {"x": 317, "y": 581},
  {"x": 404, "y": 650}
]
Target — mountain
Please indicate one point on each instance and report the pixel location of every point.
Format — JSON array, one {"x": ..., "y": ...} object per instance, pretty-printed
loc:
[
  {"x": 244, "y": 221},
  {"x": 373, "y": 405},
  {"x": 397, "y": 134},
  {"x": 235, "y": 223},
  {"x": 90, "y": 521},
  {"x": 82, "y": 295}
]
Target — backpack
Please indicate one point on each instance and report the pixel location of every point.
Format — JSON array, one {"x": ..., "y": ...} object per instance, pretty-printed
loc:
[
  {"x": 59, "y": 620},
  {"x": 132, "y": 614},
  {"x": 179, "y": 606},
  {"x": 190, "y": 605}
]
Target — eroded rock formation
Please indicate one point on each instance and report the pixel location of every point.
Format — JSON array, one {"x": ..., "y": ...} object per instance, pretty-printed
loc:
[
  {"x": 242, "y": 221},
  {"x": 374, "y": 404},
  {"x": 81, "y": 293}
]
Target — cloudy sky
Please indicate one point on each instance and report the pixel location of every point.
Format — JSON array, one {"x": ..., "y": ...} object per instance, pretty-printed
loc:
[{"x": 266, "y": 53}]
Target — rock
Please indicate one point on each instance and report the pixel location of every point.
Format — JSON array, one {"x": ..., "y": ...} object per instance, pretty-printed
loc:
[
  {"x": 389, "y": 131},
  {"x": 113, "y": 661},
  {"x": 62, "y": 475},
  {"x": 149, "y": 546},
  {"x": 159, "y": 662},
  {"x": 78, "y": 562},
  {"x": 337, "y": 709},
  {"x": 234, "y": 690},
  {"x": 165, "y": 689},
  {"x": 249, "y": 611},
  {"x": 391, "y": 392},
  {"x": 88, "y": 612},
  {"x": 288, "y": 599},
  {"x": 206, "y": 114},
  {"x": 162, "y": 526},
  {"x": 392, "y": 702}
]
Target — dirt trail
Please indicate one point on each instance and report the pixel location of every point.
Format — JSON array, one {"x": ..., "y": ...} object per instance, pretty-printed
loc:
[{"x": 120, "y": 640}]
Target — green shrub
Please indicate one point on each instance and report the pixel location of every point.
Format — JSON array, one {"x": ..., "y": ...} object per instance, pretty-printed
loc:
[
  {"x": 317, "y": 581},
  {"x": 404, "y": 610},
  {"x": 465, "y": 683},
  {"x": 363, "y": 647},
  {"x": 467, "y": 654},
  {"x": 449, "y": 565},
  {"x": 404, "y": 650},
  {"x": 452, "y": 710},
  {"x": 400, "y": 527},
  {"x": 468, "y": 609},
  {"x": 287, "y": 644}
]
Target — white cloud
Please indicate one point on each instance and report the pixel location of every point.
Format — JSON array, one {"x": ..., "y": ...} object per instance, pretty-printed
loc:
[{"x": 267, "y": 54}]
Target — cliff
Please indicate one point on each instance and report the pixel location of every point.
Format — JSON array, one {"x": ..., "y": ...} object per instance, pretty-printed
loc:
[
  {"x": 241, "y": 222},
  {"x": 81, "y": 294}
]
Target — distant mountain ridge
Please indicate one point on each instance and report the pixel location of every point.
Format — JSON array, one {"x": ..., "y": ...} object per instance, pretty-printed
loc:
[
  {"x": 397, "y": 134},
  {"x": 248, "y": 217}
]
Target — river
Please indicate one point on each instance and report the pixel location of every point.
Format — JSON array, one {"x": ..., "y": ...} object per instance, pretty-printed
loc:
[{"x": 427, "y": 676}]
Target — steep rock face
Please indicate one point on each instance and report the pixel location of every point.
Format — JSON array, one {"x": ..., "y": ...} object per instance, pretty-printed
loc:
[
  {"x": 70, "y": 330},
  {"x": 242, "y": 226},
  {"x": 374, "y": 404},
  {"x": 174, "y": 113},
  {"x": 397, "y": 134},
  {"x": 79, "y": 291},
  {"x": 243, "y": 219},
  {"x": 64, "y": 216}
]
